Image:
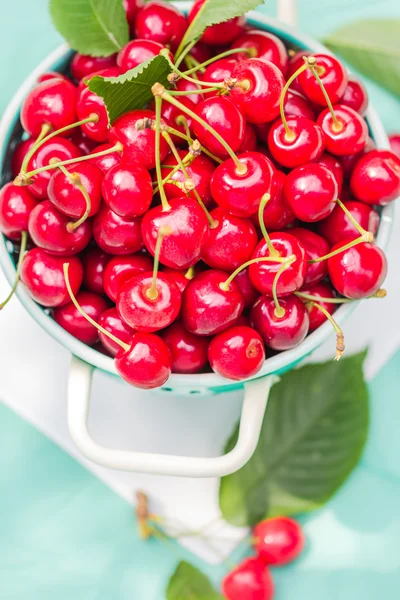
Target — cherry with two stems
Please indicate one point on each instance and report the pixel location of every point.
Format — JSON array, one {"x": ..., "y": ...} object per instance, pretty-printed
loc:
[{"x": 331, "y": 73}]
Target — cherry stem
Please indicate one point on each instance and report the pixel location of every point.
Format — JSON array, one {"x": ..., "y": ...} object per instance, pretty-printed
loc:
[
  {"x": 77, "y": 182},
  {"x": 164, "y": 201},
  {"x": 179, "y": 56},
  {"x": 190, "y": 273},
  {"x": 182, "y": 75},
  {"x": 188, "y": 92},
  {"x": 381, "y": 293},
  {"x": 225, "y": 284},
  {"x": 190, "y": 140},
  {"x": 183, "y": 122},
  {"x": 366, "y": 237},
  {"x": 266, "y": 198},
  {"x": 151, "y": 292},
  {"x": 340, "y": 347},
  {"x": 250, "y": 51},
  {"x": 186, "y": 161},
  {"x": 360, "y": 229},
  {"x": 337, "y": 125},
  {"x": 46, "y": 128},
  {"x": 308, "y": 61},
  {"x": 160, "y": 91},
  {"x": 74, "y": 301},
  {"x": 24, "y": 239},
  {"x": 279, "y": 310}
]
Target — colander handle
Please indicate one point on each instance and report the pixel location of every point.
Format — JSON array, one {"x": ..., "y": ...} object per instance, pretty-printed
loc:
[{"x": 255, "y": 401}]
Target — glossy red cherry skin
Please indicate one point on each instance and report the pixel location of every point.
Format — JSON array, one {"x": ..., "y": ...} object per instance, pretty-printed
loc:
[
  {"x": 334, "y": 165},
  {"x": 307, "y": 146},
  {"x": 246, "y": 288},
  {"x": 311, "y": 192},
  {"x": 145, "y": 314},
  {"x": 355, "y": 95},
  {"x": 241, "y": 194},
  {"x": 349, "y": 162},
  {"x": 188, "y": 351},
  {"x": 137, "y": 52},
  {"x": 120, "y": 269},
  {"x": 200, "y": 171},
  {"x": 131, "y": 8},
  {"x": 48, "y": 230},
  {"x": 172, "y": 115},
  {"x": 295, "y": 62},
  {"x": 187, "y": 86},
  {"x": 110, "y": 72},
  {"x": 83, "y": 65},
  {"x": 353, "y": 135},
  {"x": 250, "y": 580},
  {"x": 203, "y": 292},
  {"x": 220, "y": 34},
  {"x": 116, "y": 235},
  {"x": 237, "y": 353},
  {"x": 376, "y": 177},
  {"x": 264, "y": 45},
  {"x": 127, "y": 190},
  {"x": 43, "y": 276},
  {"x": 19, "y": 154},
  {"x": 106, "y": 162},
  {"x": 70, "y": 319},
  {"x": 188, "y": 222},
  {"x": 181, "y": 278},
  {"x": 280, "y": 333},
  {"x": 262, "y": 274},
  {"x": 147, "y": 364},
  {"x": 51, "y": 75},
  {"x": 161, "y": 22},
  {"x": 279, "y": 540},
  {"x": 57, "y": 147},
  {"x": 259, "y": 100},
  {"x": 394, "y": 140},
  {"x": 112, "y": 322},
  {"x": 94, "y": 263},
  {"x": 68, "y": 198},
  {"x": 225, "y": 118},
  {"x": 249, "y": 143},
  {"x": 16, "y": 204},
  {"x": 338, "y": 227},
  {"x": 319, "y": 290},
  {"x": 359, "y": 271},
  {"x": 316, "y": 246},
  {"x": 277, "y": 213},
  {"x": 296, "y": 105},
  {"x": 82, "y": 142},
  {"x": 51, "y": 102},
  {"x": 332, "y": 74},
  {"x": 217, "y": 72},
  {"x": 139, "y": 146},
  {"x": 231, "y": 243},
  {"x": 90, "y": 104}
]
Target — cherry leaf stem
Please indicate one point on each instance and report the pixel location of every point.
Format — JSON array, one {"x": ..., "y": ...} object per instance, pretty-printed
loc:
[
  {"x": 189, "y": 92},
  {"x": 152, "y": 293},
  {"x": 164, "y": 201},
  {"x": 337, "y": 125},
  {"x": 182, "y": 75},
  {"x": 199, "y": 66},
  {"x": 74, "y": 301},
  {"x": 279, "y": 311},
  {"x": 190, "y": 140},
  {"x": 360, "y": 229},
  {"x": 366, "y": 237},
  {"x": 180, "y": 57},
  {"x": 312, "y": 298},
  {"x": 289, "y": 133},
  {"x": 266, "y": 198},
  {"x": 186, "y": 161},
  {"x": 77, "y": 182},
  {"x": 24, "y": 239},
  {"x": 46, "y": 128},
  {"x": 340, "y": 347},
  {"x": 225, "y": 284}
]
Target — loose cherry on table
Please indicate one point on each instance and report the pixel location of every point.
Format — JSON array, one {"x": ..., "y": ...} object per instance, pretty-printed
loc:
[
  {"x": 107, "y": 161},
  {"x": 83, "y": 65},
  {"x": 220, "y": 34},
  {"x": 318, "y": 292},
  {"x": 160, "y": 22},
  {"x": 70, "y": 319},
  {"x": 311, "y": 192},
  {"x": 303, "y": 142},
  {"x": 94, "y": 263},
  {"x": 188, "y": 351},
  {"x": 264, "y": 45},
  {"x": 376, "y": 177},
  {"x": 333, "y": 75},
  {"x": 337, "y": 227},
  {"x": 127, "y": 189},
  {"x": 137, "y": 52},
  {"x": 355, "y": 95},
  {"x": 16, "y": 205},
  {"x": 346, "y": 134},
  {"x": 315, "y": 246},
  {"x": 251, "y": 579},
  {"x": 68, "y": 197},
  {"x": 116, "y": 235},
  {"x": 199, "y": 170},
  {"x": 237, "y": 353},
  {"x": 120, "y": 269},
  {"x": 333, "y": 164},
  {"x": 278, "y": 541},
  {"x": 112, "y": 322}
]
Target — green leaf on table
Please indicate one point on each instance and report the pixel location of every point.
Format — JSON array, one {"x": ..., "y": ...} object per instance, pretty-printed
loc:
[
  {"x": 96, "y": 27},
  {"x": 373, "y": 48},
  {"x": 131, "y": 90},
  {"x": 314, "y": 430},
  {"x": 189, "y": 583}
]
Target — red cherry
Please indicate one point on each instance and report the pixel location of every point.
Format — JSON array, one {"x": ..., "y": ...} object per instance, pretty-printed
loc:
[
  {"x": 189, "y": 225},
  {"x": 319, "y": 290},
  {"x": 220, "y": 34},
  {"x": 94, "y": 263},
  {"x": 279, "y": 540},
  {"x": 306, "y": 144},
  {"x": 311, "y": 192},
  {"x": 181, "y": 278},
  {"x": 240, "y": 194},
  {"x": 250, "y": 580},
  {"x": 217, "y": 72},
  {"x": 16, "y": 204},
  {"x": 203, "y": 292},
  {"x": 144, "y": 313},
  {"x": 57, "y": 147},
  {"x": 112, "y": 322},
  {"x": 90, "y": 104},
  {"x": 51, "y": 75},
  {"x": 110, "y": 72},
  {"x": 280, "y": 333},
  {"x": 106, "y": 162},
  {"x": 246, "y": 288},
  {"x": 116, "y": 235},
  {"x": 68, "y": 198},
  {"x": 376, "y": 177},
  {"x": 137, "y": 52},
  {"x": 120, "y": 269},
  {"x": 70, "y": 319},
  {"x": 82, "y": 142},
  {"x": 359, "y": 271},
  {"x": 355, "y": 95},
  {"x": 337, "y": 227},
  {"x": 260, "y": 89},
  {"x": 262, "y": 274},
  {"x": 249, "y": 143},
  {"x": 296, "y": 105},
  {"x": 263, "y": 45},
  {"x": 188, "y": 86},
  {"x": 201, "y": 52},
  {"x": 231, "y": 243},
  {"x": 225, "y": 118},
  {"x": 147, "y": 363},
  {"x": 172, "y": 115},
  {"x": 237, "y": 353},
  {"x": 48, "y": 230},
  {"x": 131, "y": 8},
  {"x": 394, "y": 140},
  {"x": 316, "y": 247},
  {"x": 83, "y": 65},
  {"x": 160, "y": 22},
  {"x": 51, "y": 102},
  {"x": 352, "y": 135},
  {"x": 200, "y": 171},
  {"x": 349, "y": 162},
  {"x": 139, "y": 146},
  {"x": 295, "y": 62},
  {"x": 334, "y": 165},
  {"x": 188, "y": 351},
  {"x": 43, "y": 276},
  {"x": 127, "y": 190},
  {"x": 332, "y": 74},
  {"x": 277, "y": 214},
  {"x": 19, "y": 154}
]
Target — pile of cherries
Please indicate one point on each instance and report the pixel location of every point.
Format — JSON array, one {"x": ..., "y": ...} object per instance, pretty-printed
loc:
[{"x": 215, "y": 227}]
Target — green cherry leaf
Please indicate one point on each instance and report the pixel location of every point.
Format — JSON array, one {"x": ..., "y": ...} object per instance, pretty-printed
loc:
[
  {"x": 314, "y": 431},
  {"x": 188, "y": 582},
  {"x": 373, "y": 48},
  {"x": 96, "y": 27},
  {"x": 131, "y": 90}
]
